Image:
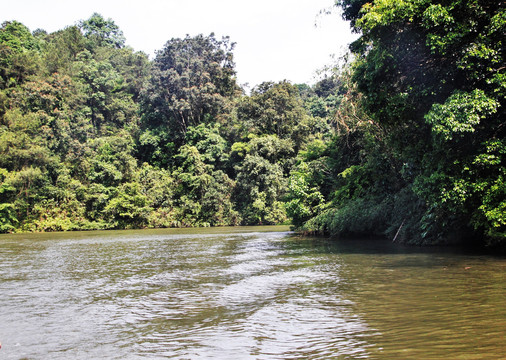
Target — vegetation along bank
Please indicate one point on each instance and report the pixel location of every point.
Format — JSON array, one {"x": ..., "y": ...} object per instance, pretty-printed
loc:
[{"x": 406, "y": 140}]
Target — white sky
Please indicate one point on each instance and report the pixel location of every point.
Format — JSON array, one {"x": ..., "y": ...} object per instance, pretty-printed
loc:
[{"x": 276, "y": 39}]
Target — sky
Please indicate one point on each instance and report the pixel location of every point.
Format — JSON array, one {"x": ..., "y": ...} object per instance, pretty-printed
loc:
[{"x": 275, "y": 39}]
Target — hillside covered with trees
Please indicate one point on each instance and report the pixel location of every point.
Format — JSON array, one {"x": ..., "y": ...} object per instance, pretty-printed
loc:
[{"x": 407, "y": 140}]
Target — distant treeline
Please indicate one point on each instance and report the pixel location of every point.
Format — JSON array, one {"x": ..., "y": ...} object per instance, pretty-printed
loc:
[{"x": 407, "y": 140}]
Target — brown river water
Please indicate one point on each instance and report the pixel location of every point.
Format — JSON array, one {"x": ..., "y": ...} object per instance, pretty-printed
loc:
[{"x": 245, "y": 293}]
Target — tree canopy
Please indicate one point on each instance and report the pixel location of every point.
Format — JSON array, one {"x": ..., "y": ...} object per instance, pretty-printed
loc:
[
  {"x": 431, "y": 78},
  {"x": 407, "y": 140}
]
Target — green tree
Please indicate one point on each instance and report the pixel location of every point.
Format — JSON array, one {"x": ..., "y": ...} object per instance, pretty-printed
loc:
[
  {"x": 260, "y": 188},
  {"x": 304, "y": 199},
  {"x": 262, "y": 178},
  {"x": 19, "y": 54},
  {"x": 8, "y": 219},
  {"x": 432, "y": 75},
  {"x": 21, "y": 143},
  {"x": 111, "y": 161},
  {"x": 210, "y": 144},
  {"x": 61, "y": 49},
  {"x": 109, "y": 106},
  {"x": 128, "y": 207},
  {"x": 204, "y": 193},
  {"x": 102, "y": 32},
  {"x": 275, "y": 109},
  {"x": 192, "y": 82}
]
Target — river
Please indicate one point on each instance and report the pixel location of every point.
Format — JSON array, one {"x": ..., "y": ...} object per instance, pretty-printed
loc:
[{"x": 245, "y": 293}]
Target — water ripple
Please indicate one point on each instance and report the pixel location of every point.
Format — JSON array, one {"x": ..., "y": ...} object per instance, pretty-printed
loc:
[{"x": 251, "y": 295}]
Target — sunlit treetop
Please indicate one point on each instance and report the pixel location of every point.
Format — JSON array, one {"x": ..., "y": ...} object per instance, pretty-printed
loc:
[{"x": 102, "y": 31}]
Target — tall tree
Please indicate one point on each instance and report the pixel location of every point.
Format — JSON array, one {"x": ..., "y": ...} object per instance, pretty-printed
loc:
[
  {"x": 19, "y": 54},
  {"x": 275, "y": 108},
  {"x": 102, "y": 32},
  {"x": 191, "y": 82},
  {"x": 432, "y": 74}
]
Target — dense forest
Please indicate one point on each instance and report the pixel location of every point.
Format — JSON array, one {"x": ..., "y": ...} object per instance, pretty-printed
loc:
[{"x": 405, "y": 140}]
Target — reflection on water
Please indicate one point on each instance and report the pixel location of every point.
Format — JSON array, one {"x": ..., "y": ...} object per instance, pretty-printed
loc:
[{"x": 244, "y": 293}]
